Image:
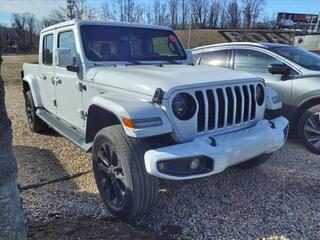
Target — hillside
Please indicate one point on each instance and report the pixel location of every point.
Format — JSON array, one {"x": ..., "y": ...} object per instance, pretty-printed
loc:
[{"x": 201, "y": 37}]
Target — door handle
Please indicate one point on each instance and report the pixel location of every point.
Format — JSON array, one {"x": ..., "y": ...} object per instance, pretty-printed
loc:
[
  {"x": 44, "y": 77},
  {"x": 58, "y": 80}
]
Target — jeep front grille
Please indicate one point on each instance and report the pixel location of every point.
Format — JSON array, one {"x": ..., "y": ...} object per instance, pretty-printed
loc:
[{"x": 222, "y": 107}]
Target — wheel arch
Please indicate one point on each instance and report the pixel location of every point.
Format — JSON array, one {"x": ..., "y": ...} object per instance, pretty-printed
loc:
[
  {"x": 30, "y": 83},
  {"x": 99, "y": 118},
  {"x": 302, "y": 107}
]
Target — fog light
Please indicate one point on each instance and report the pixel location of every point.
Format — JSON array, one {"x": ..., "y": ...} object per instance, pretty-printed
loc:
[
  {"x": 186, "y": 166},
  {"x": 194, "y": 164}
]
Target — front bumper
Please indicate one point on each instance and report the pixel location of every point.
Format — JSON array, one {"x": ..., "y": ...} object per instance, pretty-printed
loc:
[{"x": 227, "y": 150}]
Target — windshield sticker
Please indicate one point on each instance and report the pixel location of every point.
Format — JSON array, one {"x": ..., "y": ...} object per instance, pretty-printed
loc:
[{"x": 173, "y": 38}]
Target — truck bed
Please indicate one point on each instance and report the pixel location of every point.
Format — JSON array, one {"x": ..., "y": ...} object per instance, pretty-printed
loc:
[{"x": 30, "y": 69}]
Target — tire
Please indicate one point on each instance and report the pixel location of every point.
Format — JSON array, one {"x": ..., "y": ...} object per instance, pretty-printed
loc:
[
  {"x": 254, "y": 161},
  {"x": 309, "y": 128},
  {"x": 34, "y": 122},
  {"x": 125, "y": 187}
]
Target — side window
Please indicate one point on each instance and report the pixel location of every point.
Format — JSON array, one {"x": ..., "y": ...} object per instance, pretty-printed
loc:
[
  {"x": 216, "y": 58},
  {"x": 47, "y": 50},
  {"x": 66, "y": 40},
  {"x": 253, "y": 61}
]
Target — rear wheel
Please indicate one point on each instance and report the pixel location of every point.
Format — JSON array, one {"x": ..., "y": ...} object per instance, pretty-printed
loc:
[
  {"x": 34, "y": 122},
  {"x": 254, "y": 161},
  {"x": 125, "y": 187},
  {"x": 309, "y": 128}
]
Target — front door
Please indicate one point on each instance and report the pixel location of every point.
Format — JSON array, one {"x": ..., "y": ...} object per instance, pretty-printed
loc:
[
  {"x": 69, "y": 97},
  {"x": 46, "y": 76}
]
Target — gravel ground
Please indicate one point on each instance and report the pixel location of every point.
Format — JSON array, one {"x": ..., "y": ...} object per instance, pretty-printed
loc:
[{"x": 278, "y": 198}]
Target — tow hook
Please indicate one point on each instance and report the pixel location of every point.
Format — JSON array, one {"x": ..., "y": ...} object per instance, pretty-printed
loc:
[
  {"x": 272, "y": 125},
  {"x": 213, "y": 142}
]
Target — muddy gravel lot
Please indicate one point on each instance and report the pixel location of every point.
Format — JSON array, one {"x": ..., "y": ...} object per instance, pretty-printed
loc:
[{"x": 279, "y": 199}]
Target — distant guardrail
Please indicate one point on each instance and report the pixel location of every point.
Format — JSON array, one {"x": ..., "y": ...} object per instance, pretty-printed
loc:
[{"x": 258, "y": 36}]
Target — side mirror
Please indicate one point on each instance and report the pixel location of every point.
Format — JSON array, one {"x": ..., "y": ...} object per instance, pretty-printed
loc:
[
  {"x": 278, "y": 69},
  {"x": 73, "y": 68},
  {"x": 63, "y": 57}
]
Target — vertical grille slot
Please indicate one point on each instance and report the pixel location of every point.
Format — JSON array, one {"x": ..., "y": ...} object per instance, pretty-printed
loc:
[
  {"x": 221, "y": 103},
  {"x": 230, "y": 106},
  {"x": 253, "y": 102},
  {"x": 223, "y": 107},
  {"x": 246, "y": 103},
  {"x": 238, "y": 105},
  {"x": 201, "y": 111},
  {"x": 211, "y": 110}
]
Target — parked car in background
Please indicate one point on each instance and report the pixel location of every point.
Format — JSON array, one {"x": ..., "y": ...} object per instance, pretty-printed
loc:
[
  {"x": 130, "y": 94},
  {"x": 293, "y": 72}
]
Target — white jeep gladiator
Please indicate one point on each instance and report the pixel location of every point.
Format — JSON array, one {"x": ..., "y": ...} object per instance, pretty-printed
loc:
[{"x": 130, "y": 94}]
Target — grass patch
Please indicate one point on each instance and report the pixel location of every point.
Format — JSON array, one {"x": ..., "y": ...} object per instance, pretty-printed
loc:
[
  {"x": 200, "y": 37},
  {"x": 12, "y": 66}
]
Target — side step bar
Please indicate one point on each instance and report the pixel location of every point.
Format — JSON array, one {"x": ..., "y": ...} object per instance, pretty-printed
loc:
[{"x": 65, "y": 130}]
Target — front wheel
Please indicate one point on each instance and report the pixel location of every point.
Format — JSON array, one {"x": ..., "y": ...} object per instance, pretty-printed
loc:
[
  {"x": 309, "y": 128},
  {"x": 125, "y": 187},
  {"x": 254, "y": 161}
]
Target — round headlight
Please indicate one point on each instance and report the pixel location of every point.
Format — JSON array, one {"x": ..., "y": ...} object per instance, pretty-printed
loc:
[
  {"x": 183, "y": 106},
  {"x": 260, "y": 94}
]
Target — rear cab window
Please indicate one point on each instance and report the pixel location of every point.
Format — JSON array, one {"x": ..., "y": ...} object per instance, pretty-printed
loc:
[{"x": 47, "y": 50}]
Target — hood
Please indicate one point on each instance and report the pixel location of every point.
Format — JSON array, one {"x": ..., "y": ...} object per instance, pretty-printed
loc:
[{"x": 145, "y": 79}]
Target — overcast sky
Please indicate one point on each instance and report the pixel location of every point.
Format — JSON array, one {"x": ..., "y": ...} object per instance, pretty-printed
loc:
[{"x": 42, "y": 8}]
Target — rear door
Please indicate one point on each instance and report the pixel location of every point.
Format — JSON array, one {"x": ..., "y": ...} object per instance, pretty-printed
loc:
[
  {"x": 47, "y": 72},
  {"x": 69, "y": 97}
]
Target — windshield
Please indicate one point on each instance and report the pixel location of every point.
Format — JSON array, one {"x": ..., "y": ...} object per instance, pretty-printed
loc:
[
  {"x": 117, "y": 43},
  {"x": 300, "y": 56}
]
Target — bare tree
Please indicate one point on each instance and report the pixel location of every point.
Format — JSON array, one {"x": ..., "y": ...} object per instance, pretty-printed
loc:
[
  {"x": 80, "y": 10},
  {"x": 13, "y": 223},
  {"x": 214, "y": 14},
  {"x": 233, "y": 14},
  {"x": 251, "y": 11},
  {"x": 83, "y": 10},
  {"x": 185, "y": 12},
  {"x": 148, "y": 14},
  {"x": 31, "y": 29},
  {"x": 24, "y": 26},
  {"x": 56, "y": 16},
  {"x": 267, "y": 22},
  {"x": 173, "y": 10},
  {"x": 223, "y": 14},
  {"x": 160, "y": 13},
  {"x": 128, "y": 11},
  {"x": 199, "y": 12},
  {"x": 106, "y": 12},
  {"x": 18, "y": 24}
]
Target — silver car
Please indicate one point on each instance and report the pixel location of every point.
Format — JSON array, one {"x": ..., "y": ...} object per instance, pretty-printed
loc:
[{"x": 293, "y": 72}]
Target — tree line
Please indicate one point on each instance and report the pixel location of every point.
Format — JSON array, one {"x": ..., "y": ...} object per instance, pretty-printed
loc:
[{"x": 22, "y": 34}]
